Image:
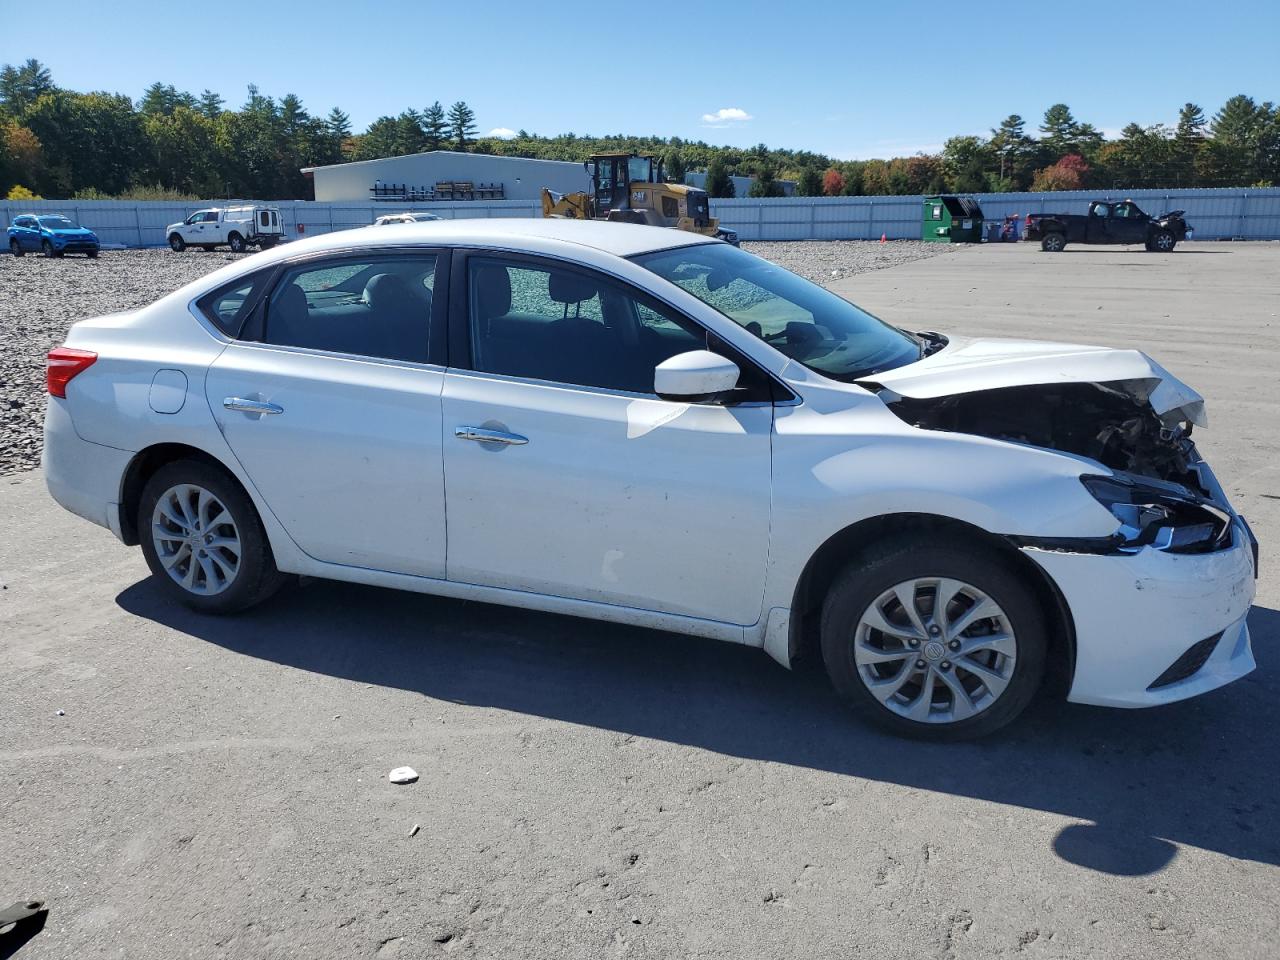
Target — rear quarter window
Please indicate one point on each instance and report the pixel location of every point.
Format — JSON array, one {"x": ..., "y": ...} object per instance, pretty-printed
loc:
[{"x": 229, "y": 306}]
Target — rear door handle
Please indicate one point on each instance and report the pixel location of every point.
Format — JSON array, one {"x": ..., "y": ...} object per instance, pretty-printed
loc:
[
  {"x": 251, "y": 406},
  {"x": 485, "y": 435}
]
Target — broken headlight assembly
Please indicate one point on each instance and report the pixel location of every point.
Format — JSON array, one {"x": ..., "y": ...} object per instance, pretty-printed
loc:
[{"x": 1159, "y": 516}]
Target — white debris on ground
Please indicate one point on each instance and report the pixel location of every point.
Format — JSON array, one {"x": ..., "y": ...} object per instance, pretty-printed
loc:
[
  {"x": 41, "y": 298},
  {"x": 403, "y": 775}
]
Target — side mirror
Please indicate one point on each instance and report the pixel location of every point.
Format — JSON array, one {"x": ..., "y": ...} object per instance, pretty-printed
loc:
[{"x": 694, "y": 377}]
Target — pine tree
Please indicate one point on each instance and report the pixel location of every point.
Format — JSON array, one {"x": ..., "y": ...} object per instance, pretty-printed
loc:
[
  {"x": 1059, "y": 130},
  {"x": 210, "y": 104},
  {"x": 810, "y": 183},
  {"x": 718, "y": 183},
  {"x": 462, "y": 125},
  {"x": 435, "y": 127}
]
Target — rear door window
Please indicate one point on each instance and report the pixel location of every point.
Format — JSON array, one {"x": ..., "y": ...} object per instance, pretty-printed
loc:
[{"x": 369, "y": 307}]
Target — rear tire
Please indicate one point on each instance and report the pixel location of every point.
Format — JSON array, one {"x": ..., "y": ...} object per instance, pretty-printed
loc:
[
  {"x": 1053, "y": 243},
  {"x": 16, "y": 248},
  {"x": 978, "y": 674},
  {"x": 203, "y": 539},
  {"x": 176, "y": 243},
  {"x": 236, "y": 242},
  {"x": 1162, "y": 241}
]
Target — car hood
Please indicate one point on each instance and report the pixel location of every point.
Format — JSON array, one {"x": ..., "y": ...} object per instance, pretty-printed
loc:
[
  {"x": 975, "y": 365},
  {"x": 76, "y": 232}
]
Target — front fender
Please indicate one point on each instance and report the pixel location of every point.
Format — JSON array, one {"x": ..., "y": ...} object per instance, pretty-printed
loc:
[{"x": 825, "y": 483}]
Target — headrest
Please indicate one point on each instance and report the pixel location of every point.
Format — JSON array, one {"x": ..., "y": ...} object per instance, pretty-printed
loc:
[
  {"x": 292, "y": 300},
  {"x": 493, "y": 291},
  {"x": 570, "y": 288},
  {"x": 386, "y": 289}
]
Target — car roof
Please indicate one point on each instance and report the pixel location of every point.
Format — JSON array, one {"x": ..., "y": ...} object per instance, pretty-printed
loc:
[{"x": 619, "y": 239}]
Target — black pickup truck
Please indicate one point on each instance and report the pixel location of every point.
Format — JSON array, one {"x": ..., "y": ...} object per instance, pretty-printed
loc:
[{"x": 1107, "y": 223}]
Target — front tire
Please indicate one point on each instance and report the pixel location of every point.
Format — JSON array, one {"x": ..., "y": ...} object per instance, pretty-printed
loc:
[
  {"x": 236, "y": 243},
  {"x": 92, "y": 254},
  {"x": 176, "y": 243},
  {"x": 951, "y": 672},
  {"x": 1163, "y": 241},
  {"x": 47, "y": 249},
  {"x": 203, "y": 539},
  {"x": 1053, "y": 243},
  {"x": 16, "y": 248}
]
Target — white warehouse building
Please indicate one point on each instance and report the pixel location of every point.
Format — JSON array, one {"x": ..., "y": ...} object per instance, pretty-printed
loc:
[{"x": 445, "y": 175}]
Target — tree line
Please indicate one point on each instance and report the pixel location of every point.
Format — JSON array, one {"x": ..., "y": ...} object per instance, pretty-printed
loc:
[{"x": 174, "y": 144}]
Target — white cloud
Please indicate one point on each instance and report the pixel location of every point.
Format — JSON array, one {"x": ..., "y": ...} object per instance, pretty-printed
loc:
[
  {"x": 725, "y": 116},
  {"x": 501, "y": 133}
]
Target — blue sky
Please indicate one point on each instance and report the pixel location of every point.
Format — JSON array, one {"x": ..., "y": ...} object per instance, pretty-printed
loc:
[{"x": 852, "y": 80}]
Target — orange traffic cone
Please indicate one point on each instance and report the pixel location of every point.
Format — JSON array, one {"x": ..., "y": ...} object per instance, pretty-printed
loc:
[{"x": 884, "y": 238}]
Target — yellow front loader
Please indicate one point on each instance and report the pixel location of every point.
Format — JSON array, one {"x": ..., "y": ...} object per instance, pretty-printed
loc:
[{"x": 629, "y": 188}]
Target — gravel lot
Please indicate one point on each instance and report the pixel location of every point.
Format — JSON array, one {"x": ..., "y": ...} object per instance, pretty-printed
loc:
[{"x": 40, "y": 299}]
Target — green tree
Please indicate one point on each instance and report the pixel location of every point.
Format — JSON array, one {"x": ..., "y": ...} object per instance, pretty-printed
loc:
[
  {"x": 210, "y": 104},
  {"x": 1058, "y": 131},
  {"x": 765, "y": 185},
  {"x": 718, "y": 184},
  {"x": 673, "y": 163},
  {"x": 1014, "y": 150},
  {"x": 435, "y": 126},
  {"x": 21, "y": 87},
  {"x": 462, "y": 125},
  {"x": 338, "y": 127},
  {"x": 810, "y": 183},
  {"x": 965, "y": 161},
  {"x": 89, "y": 140}
]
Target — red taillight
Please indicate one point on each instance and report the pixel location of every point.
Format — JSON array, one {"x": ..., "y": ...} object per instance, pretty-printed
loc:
[{"x": 64, "y": 364}]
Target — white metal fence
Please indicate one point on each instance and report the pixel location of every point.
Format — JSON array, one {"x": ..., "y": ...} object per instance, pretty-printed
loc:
[{"x": 1214, "y": 214}]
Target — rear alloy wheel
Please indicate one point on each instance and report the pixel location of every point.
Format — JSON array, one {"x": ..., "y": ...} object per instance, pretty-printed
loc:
[
  {"x": 15, "y": 248},
  {"x": 934, "y": 641},
  {"x": 1163, "y": 242},
  {"x": 1053, "y": 242},
  {"x": 203, "y": 540},
  {"x": 236, "y": 242},
  {"x": 176, "y": 243}
]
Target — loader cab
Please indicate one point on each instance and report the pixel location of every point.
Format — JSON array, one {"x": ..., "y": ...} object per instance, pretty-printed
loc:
[{"x": 612, "y": 175}]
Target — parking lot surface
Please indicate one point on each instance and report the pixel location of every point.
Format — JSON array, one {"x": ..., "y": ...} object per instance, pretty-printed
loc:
[{"x": 218, "y": 787}]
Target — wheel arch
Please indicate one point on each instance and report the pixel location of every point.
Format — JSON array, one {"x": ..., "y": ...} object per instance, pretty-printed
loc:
[
  {"x": 843, "y": 546},
  {"x": 143, "y": 466}
]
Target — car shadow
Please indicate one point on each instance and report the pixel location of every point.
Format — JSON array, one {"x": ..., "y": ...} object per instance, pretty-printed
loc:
[{"x": 1201, "y": 772}]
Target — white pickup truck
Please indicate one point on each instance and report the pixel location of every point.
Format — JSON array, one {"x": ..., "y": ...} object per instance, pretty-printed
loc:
[{"x": 234, "y": 227}]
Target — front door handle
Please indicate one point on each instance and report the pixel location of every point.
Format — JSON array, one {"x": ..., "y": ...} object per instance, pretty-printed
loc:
[
  {"x": 485, "y": 435},
  {"x": 251, "y": 406}
]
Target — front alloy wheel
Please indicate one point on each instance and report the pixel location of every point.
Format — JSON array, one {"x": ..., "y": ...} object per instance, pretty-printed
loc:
[
  {"x": 196, "y": 540},
  {"x": 934, "y": 637},
  {"x": 1163, "y": 242},
  {"x": 935, "y": 650}
]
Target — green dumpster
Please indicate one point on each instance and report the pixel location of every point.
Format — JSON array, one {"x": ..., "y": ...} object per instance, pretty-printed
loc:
[{"x": 951, "y": 220}]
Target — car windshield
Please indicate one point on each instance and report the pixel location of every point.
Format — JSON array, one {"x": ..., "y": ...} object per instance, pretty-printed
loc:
[
  {"x": 57, "y": 223},
  {"x": 800, "y": 319}
]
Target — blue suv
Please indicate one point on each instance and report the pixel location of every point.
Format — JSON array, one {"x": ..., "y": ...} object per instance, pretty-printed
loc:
[{"x": 51, "y": 234}]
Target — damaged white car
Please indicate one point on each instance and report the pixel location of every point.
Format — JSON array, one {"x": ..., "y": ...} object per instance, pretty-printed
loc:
[{"x": 647, "y": 427}]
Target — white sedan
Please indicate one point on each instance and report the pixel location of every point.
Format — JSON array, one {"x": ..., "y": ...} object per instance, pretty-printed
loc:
[{"x": 651, "y": 427}]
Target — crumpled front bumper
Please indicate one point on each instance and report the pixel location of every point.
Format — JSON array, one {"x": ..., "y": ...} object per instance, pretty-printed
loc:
[{"x": 1136, "y": 614}]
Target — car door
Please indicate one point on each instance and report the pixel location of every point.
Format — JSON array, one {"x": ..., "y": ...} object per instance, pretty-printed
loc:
[
  {"x": 1128, "y": 224},
  {"x": 566, "y": 475},
  {"x": 25, "y": 234},
  {"x": 1099, "y": 223},
  {"x": 331, "y": 402}
]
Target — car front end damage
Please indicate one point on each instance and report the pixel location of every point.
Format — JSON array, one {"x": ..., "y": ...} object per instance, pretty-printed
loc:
[{"x": 1159, "y": 606}]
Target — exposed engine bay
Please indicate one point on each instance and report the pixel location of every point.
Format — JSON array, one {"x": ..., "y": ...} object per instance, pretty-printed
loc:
[
  {"x": 1161, "y": 494},
  {"x": 1109, "y": 422}
]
